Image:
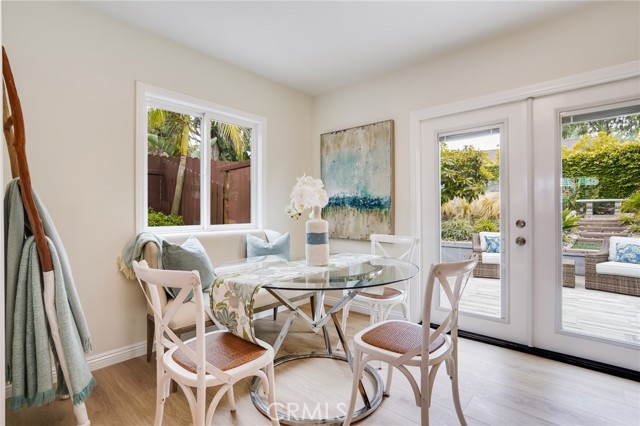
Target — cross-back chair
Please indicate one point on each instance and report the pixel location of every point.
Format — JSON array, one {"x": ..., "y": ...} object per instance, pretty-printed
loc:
[
  {"x": 380, "y": 305},
  {"x": 401, "y": 343},
  {"x": 217, "y": 358}
]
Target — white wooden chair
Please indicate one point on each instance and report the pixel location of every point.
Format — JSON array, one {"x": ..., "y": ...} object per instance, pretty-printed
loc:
[
  {"x": 380, "y": 305},
  {"x": 218, "y": 358},
  {"x": 401, "y": 343}
]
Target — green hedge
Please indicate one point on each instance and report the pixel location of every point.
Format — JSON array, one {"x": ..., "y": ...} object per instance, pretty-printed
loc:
[{"x": 617, "y": 168}]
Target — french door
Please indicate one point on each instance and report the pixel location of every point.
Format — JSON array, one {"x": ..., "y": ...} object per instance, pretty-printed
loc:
[
  {"x": 464, "y": 201},
  {"x": 570, "y": 317},
  {"x": 531, "y": 289}
]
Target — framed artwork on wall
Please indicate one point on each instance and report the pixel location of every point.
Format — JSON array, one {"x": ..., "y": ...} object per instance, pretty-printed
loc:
[{"x": 357, "y": 171}]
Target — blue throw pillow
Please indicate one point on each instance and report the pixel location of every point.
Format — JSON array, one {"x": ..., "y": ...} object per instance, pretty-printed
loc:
[
  {"x": 188, "y": 256},
  {"x": 628, "y": 253},
  {"x": 493, "y": 244},
  {"x": 258, "y": 247}
]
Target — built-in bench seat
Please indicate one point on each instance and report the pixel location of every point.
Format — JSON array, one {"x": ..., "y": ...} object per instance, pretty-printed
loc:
[{"x": 221, "y": 247}]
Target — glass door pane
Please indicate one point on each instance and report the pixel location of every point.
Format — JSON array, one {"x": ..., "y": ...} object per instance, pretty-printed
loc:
[
  {"x": 470, "y": 214},
  {"x": 600, "y": 216},
  {"x": 475, "y": 179}
]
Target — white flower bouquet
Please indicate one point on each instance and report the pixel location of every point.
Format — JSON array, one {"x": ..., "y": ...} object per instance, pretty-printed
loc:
[{"x": 307, "y": 193}]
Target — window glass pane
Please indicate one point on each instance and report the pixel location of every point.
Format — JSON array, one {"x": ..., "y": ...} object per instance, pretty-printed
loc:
[
  {"x": 230, "y": 173},
  {"x": 173, "y": 146}
]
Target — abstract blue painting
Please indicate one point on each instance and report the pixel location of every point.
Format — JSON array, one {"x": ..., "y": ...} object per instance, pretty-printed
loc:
[{"x": 357, "y": 171}]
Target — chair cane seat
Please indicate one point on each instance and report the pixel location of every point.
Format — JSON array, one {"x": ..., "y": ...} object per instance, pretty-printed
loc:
[
  {"x": 399, "y": 337},
  {"x": 223, "y": 350},
  {"x": 388, "y": 293}
]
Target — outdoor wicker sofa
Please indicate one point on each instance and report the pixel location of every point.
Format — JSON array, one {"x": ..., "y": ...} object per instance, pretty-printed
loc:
[
  {"x": 602, "y": 272},
  {"x": 488, "y": 263}
]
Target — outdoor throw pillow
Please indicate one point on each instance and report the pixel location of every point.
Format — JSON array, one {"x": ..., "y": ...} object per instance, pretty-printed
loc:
[
  {"x": 188, "y": 256},
  {"x": 259, "y": 247},
  {"x": 493, "y": 244},
  {"x": 628, "y": 253}
]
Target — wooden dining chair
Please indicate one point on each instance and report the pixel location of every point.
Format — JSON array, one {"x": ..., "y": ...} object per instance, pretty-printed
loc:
[
  {"x": 403, "y": 343},
  {"x": 217, "y": 358},
  {"x": 380, "y": 304}
]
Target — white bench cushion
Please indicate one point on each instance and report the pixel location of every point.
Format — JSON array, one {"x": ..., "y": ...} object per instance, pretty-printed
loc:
[
  {"x": 619, "y": 268},
  {"x": 490, "y": 258}
]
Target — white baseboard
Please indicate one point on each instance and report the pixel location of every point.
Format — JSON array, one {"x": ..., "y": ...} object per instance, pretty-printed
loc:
[
  {"x": 103, "y": 360},
  {"x": 117, "y": 356}
]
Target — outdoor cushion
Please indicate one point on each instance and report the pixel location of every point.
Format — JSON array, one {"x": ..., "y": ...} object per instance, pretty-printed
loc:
[
  {"x": 628, "y": 253},
  {"x": 493, "y": 244},
  {"x": 483, "y": 241},
  {"x": 490, "y": 258},
  {"x": 613, "y": 245},
  {"x": 619, "y": 268}
]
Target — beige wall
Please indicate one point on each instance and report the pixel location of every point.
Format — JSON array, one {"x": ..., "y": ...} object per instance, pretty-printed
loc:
[
  {"x": 600, "y": 36},
  {"x": 76, "y": 73}
]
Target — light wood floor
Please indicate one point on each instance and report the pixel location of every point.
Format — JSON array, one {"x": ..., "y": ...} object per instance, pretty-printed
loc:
[{"x": 498, "y": 387}]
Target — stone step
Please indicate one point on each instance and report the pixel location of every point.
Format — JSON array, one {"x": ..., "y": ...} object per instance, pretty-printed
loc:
[
  {"x": 599, "y": 221},
  {"x": 602, "y": 235},
  {"x": 590, "y": 240},
  {"x": 602, "y": 228}
]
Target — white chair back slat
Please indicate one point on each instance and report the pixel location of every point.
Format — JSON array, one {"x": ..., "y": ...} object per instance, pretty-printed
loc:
[
  {"x": 187, "y": 281},
  {"x": 390, "y": 245},
  {"x": 442, "y": 274}
]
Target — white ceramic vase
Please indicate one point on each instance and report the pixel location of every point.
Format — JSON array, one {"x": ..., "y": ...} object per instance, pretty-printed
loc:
[{"x": 317, "y": 248}]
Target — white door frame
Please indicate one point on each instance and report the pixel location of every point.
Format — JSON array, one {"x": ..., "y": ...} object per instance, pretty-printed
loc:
[{"x": 426, "y": 254}]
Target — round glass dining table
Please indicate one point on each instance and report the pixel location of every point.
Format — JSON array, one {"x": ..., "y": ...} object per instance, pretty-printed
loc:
[{"x": 349, "y": 272}]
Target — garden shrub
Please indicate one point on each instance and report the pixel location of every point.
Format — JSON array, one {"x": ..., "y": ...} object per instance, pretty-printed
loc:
[
  {"x": 155, "y": 218},
  {"x": 456, "y": 230},
  {"x": 570, "y": 219},
  {"x": 486, "y": 206},
  {"x": 631, "y": 204},
  {"x": 485, "y": 225}
]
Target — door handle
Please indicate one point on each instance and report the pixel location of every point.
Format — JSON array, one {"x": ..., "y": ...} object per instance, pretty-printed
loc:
[{"x": 521, "y": 241}]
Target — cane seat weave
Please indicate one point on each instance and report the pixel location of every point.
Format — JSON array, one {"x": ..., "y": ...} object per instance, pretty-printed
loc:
[
  {"x": 399, "y": 337},
  {"x": 388, "y": 293},
  {"x": 223, "y": 350}
]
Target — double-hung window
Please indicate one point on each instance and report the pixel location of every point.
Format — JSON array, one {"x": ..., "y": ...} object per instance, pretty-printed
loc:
[{"x": 198, "y": 164}]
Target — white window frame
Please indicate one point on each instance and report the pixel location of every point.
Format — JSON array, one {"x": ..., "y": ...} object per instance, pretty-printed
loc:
[{"x": 158, "y": 97}]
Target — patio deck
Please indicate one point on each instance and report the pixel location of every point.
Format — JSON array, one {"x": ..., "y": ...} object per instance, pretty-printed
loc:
[{"x": 592, "y": 312}]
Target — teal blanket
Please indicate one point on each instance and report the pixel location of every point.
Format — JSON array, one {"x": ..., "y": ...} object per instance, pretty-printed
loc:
[
  {"x": 28, "y": 366},
  {"x": 133, "y": 251}
]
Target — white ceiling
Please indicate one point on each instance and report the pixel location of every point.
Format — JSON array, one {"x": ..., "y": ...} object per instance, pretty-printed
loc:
[{"x": 318, "y": 46}]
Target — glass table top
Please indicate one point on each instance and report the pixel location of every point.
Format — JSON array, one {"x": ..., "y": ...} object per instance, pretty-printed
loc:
[{"x": 345, "y": 271}]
